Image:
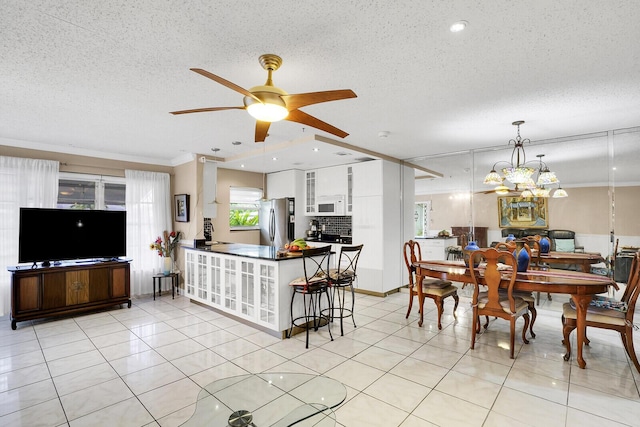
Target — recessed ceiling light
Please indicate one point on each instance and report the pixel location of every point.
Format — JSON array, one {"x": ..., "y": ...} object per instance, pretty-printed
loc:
[
  {"x": 215, "y": 150},
  {"x": 456, "y": 27},
  {"x": 274, "y": 158},
  {"x": 316, "y": 149},
  {"x": 383, "y": 134},
  {"x": 236, "y": 143},
  {"x": 241, "y": 166}
]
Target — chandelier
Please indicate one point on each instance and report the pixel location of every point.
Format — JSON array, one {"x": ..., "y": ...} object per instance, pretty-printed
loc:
[{"x": 520, "y": 172}]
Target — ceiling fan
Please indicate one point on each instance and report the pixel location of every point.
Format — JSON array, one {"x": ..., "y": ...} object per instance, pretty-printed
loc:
[{"x": 268, "y": 103}]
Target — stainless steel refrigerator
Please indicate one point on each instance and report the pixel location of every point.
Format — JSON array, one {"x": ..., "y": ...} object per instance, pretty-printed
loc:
[{"x": 277, "y": 222}]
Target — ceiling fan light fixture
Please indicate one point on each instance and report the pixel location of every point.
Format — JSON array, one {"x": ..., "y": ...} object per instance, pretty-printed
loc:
[
  {"x": 502, "y": 189},
  {"x": 267, "y": 112},
  {"x": 271, "y": 109}
]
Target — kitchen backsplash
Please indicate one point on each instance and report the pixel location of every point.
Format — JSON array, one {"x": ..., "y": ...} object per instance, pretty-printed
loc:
[{"x": 340, "y": 225}]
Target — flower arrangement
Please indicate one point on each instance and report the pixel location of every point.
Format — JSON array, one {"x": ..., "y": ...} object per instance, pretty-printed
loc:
[{"x": 166, "y": 246}]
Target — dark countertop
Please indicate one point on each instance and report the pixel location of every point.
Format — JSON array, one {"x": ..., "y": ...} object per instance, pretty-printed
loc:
[{"x": 269, "y": 253}]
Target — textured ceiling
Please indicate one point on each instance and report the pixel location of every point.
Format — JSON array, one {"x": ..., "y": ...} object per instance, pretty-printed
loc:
[{"x": 99, "y": 78}]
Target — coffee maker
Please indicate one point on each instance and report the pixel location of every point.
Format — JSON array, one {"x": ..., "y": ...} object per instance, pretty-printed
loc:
[{"x": 314, "y": 229}]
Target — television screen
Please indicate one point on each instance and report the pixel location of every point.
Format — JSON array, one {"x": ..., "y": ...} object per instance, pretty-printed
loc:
[{"x": 68, "y": 234}]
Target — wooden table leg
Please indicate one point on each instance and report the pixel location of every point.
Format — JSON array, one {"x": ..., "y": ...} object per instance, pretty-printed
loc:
[{"x": 582, "y": 302}]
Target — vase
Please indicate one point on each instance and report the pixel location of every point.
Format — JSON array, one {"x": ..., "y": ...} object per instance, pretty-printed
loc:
[
  {"x": 522, "y": 256},
  {"x": 509, "y": 238},
  {"x": 167, "y": 265},
  {"x": 466, "y": 253},
  {"x": 545, "y": 245}
]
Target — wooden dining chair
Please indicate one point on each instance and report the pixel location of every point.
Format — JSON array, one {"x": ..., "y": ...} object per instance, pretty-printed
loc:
[
  {"x": 527, "y": 296},
  {"x": 608, "y": 313},
  {"x": 436, "y": 289},
  {"x": 494, "y": 302}
]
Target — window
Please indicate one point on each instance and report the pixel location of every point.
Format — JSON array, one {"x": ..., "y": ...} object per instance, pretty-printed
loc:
[
  {"x": 244, "y": 208},
  {"x": 80, "y": 191}
]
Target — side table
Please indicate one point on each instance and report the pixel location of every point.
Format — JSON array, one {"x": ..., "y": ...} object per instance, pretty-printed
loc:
[{"x": 174, "y": 283}]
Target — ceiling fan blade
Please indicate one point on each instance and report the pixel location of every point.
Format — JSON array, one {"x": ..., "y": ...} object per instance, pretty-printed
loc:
[
  {"x": 296, "y": 101},
  {"x": 225, "y": 82},
  {"x": 202, "y": 110},
  {"x": 261, "y": 130},
  {"x": 306, "y": 119}
]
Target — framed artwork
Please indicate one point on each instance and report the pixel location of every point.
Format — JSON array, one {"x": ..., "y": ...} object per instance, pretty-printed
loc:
[
  {"x": 182, "y": 207},
  {"x": 529, "y": 212}
]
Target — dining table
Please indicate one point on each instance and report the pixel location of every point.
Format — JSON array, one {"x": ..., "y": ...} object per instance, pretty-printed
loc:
[
  {"x": 583, "y": 259},
  {"x": 581, "y": 286}
]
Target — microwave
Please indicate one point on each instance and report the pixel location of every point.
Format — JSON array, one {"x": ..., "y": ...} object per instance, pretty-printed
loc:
[{"x": 331, "y": 205}]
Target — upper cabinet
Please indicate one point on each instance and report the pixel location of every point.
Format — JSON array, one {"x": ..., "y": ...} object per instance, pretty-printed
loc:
[
  {"x": 367, "y": 179},
  {"x": 310, "y": 193},
  {"x": 331, "y": 181}
]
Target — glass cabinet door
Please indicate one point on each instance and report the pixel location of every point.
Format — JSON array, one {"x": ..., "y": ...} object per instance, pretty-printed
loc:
[
  {"x": 247, "y": 295},
  {"x": 216, "y": 283},
  {"x": 268, "y": 294},
  {"x": 190, "y": 272},
  {"x": 230, "y": 283},
  {"x": 201, "y": 283}
]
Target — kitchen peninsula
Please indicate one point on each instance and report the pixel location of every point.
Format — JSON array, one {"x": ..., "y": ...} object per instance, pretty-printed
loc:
[
  {"x": 435, "y": 248},
  {"x": 250, "y": 282}
]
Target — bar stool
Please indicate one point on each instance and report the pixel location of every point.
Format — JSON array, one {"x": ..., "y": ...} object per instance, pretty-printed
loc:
[
  {"x": 311, "y": 286},
  {"x": 340, "y": 279}
]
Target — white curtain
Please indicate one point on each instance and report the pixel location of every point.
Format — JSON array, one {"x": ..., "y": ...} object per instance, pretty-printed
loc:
[
  {"x": 148, "y": 204},
  {"x": 29, "y": 183}
]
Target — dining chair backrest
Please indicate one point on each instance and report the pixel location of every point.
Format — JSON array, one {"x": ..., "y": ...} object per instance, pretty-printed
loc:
[
  {"x": 316, "y": 263},
  {"x": 493, "y": 276},
  {"x": 412, "y": 254},
  {"x": 506, "y": 246},
  {"x": 633, "y": 272},
  {"x": 633, "y": 287},
  {"x": 348, "y": 261}
]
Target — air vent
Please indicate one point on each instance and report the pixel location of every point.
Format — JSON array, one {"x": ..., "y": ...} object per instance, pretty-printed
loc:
[
  {"x": 342, "y": 153},
  {"x": 365, "y": 159}
]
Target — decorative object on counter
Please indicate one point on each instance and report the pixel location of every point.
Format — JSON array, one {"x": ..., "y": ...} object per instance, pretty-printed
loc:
[
  {"x": 182, "y": 207},
  {"x": 466, "y": 254},
  {"x": 545, "y": 244},
  {"x": 519, "y": 172},
  {"x": 521, "y": 253},
  {"x": 509, "y": 238},
  {"x": 165, "y": 248},
  {"x": 444, "y": 233}
]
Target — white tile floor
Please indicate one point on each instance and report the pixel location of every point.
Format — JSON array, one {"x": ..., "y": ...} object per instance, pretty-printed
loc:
[{"x": 144, "y": 366}]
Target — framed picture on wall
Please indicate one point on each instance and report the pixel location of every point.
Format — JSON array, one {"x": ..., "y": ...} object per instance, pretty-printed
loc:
[
  {"x": 528, "y": 212},
  {"x": 182, "y": 207}
]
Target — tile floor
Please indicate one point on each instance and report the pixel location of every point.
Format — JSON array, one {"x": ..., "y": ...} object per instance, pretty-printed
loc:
[{"x": 144, "y": 366}]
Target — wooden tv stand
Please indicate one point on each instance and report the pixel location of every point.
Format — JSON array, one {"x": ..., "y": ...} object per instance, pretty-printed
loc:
[{"x": 68, "y": 288}]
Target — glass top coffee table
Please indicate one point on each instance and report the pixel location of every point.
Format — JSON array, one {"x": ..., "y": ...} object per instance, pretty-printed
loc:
[{"x": 268, "y": 399}]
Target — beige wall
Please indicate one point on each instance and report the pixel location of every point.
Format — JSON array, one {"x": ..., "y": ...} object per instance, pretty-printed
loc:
[{"x": 586, "y": 211}]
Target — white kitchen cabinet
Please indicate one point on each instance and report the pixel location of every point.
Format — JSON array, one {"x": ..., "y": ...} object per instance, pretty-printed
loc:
[
  {"x": 332, "y": 181},
  {"x": 436, "y": 248},
  {"x": 310, "y": 196},
  {"x": 381, "y": 223},
  {"x": 253, "y": 289}
]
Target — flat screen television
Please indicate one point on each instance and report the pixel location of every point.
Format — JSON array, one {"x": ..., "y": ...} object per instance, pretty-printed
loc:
[{"x": 51, "y": 235}]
